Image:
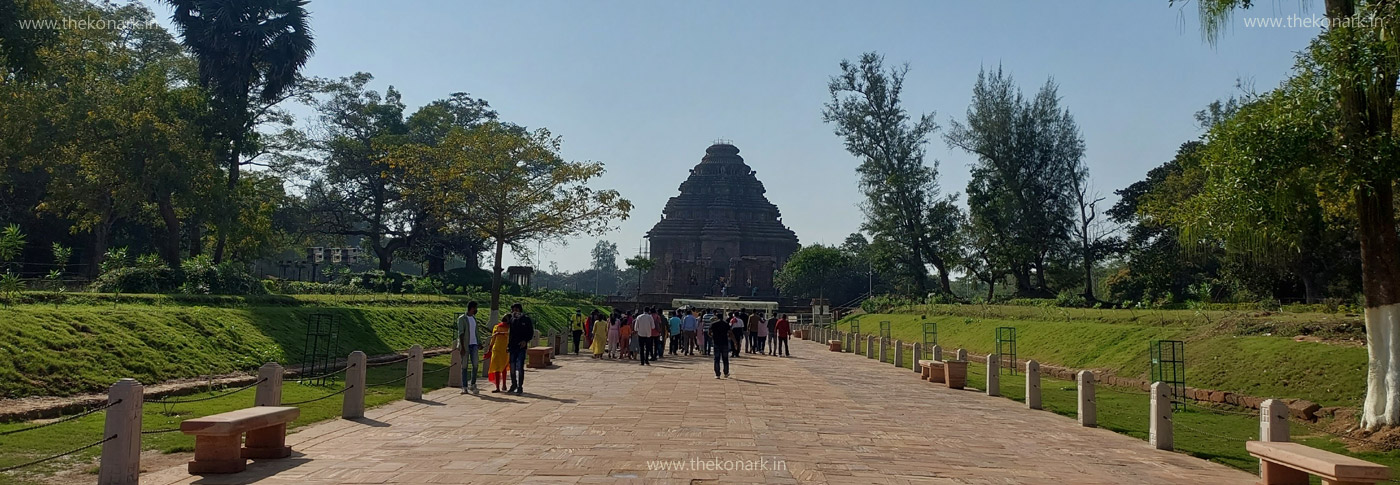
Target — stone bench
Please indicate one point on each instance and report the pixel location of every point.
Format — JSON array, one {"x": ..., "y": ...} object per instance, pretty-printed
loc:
[
  {"x": 931, "y": 370},
  {"x": 217, "y": 438},
  {"x": 834, "y": 345},
  {"x": 1286, "y": 463},
  {"x": 538, "y": 357}
]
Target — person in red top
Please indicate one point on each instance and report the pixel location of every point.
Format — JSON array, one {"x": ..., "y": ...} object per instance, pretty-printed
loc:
[{"x": 783, "y": 331}]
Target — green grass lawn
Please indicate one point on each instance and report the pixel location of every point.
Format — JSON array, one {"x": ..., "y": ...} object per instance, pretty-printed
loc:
[
  {"x": 30, "y": 445},
  {"x": 1255, "y": 365}
]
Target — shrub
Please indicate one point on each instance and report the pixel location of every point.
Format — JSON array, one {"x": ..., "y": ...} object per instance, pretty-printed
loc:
[
  {"x": 137, "y": 280},
  {"x": 1070, "y": 299},
  {"x": 203, "y": 277},
  {"x": 286, "y": 287}
]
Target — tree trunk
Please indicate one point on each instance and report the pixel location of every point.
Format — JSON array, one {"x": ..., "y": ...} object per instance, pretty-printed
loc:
[
  {"x": 496, "y": 283},
  {"x": 196, "y": 229},
  {"x": 991, "y": 289},
  {"x": 386, "y": 257},
  {"x": 437, "y": 261},
  {"x": 1088, "y": 272},
  {"x": 170, "y": 244},
  {"x": 101, "y": 236},
  {"x": 1380, "y": 281}
]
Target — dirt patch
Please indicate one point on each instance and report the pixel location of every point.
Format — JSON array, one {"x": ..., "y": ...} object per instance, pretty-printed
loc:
[{"x": 86, "y": 473}]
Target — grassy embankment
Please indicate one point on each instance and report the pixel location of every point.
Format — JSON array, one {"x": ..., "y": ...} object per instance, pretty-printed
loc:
[{"x": 1250, "y": 353}]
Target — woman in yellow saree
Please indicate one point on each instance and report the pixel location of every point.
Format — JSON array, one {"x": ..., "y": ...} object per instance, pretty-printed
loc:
[
  {"x": 497, "y": 355},
  {"x": 600, "y": 335}
]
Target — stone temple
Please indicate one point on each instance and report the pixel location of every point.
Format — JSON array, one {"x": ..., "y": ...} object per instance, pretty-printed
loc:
[{"x": 720, "y": 236}]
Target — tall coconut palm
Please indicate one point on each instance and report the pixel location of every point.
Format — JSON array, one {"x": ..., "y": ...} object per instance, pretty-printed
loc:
[{"x": 249, "y": 54}]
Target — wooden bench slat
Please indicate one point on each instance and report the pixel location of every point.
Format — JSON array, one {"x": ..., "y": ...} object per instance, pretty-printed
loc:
[
  {"x": 240, "y": 421},
  {"x": 1322, "y": 463}
]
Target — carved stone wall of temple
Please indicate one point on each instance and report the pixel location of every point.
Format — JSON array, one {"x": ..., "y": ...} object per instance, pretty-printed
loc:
[{"x": 720, "y": 236}]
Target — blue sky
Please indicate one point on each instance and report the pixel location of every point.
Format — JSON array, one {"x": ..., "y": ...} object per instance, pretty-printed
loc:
[{"x": 645, "y": 86}]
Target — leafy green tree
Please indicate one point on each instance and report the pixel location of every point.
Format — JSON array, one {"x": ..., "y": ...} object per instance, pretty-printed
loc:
[
  {"x": 1356, "y": 66},
  {"x": 1029, "y": 157},
  {"x": 19, "y": 46},
  {"x": 249, "y": 52},
  {"x": 901, "y": 191},
  {"x": 641, "y": 266},
  {"x": 819, "y": 271},
  {"x": 510, "y": 186}
]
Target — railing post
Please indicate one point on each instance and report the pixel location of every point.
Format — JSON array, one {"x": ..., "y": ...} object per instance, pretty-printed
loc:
[
  {"x": 1273, "y": 426},
  {"x": 961, "y": 354},
  {"x": 1160, "y": 434},
  {"x": 993, "y": 375},
  {"x": 869, "y": 346},
  {"x": 454, "y": 367},
  {"x": 269, "y": 385},
  {"x": 899, "y": 353},
  {"x": 884, "y": 349},
  {"x": 1088, "y": 410},
  {"x": 413, "y": 387},
  {"x": 1032, "y": 384},
  {"x": 917, "y": 353},
  {"x": 121, "y": 457},
  {"x": 937, "y": 352},
  {"x": 353, "y": 406}
]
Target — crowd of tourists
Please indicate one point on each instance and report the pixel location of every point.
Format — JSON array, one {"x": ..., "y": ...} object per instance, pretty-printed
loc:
[{"x": 645, "y": 335}]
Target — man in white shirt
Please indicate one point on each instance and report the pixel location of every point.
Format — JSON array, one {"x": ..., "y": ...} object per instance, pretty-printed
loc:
[
  {"x": 645, "y": 327},
  {"x": 468, "y": 345}
]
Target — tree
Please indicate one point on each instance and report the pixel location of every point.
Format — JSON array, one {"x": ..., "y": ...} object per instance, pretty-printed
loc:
[
  {"x": 900, "y": 190},
  {"x": 641, "y": 265},
  {"x": 249, "y": 52},
  {"x": 1029, "y": 156},
  {"x": 20, "y": 44},
  {"x": 1357, "y": 63},
  {"x": 604, "y": 263},
  {"x": 1095, "y": 239},
  {"x": 508, "y": 185},
  {"x": 819, "y": 271}
]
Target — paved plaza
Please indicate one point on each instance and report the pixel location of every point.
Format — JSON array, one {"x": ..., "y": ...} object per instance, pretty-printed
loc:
[{"x": 817, "y": 417}]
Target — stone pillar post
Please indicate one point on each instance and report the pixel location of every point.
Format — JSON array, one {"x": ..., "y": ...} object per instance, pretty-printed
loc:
[
  {"x": 1160, "y": 432},
  {"x": 1273, "y": 426},
  {"x": 884, "y": 349},
  {"x": 937, "y": 352},
  {"x": 121, "y": 457},
  {"x": 1032, "y": 384},
  {"x": 850, "y": 342},
  {"x": 918, "y": 353},
  {"x": 454, "y": 368},
  {"x": 353, "y": 406},
  {"x": 870, "y": 346},
  {"x": 899, "y": 353},
  {"x": 961, "y": 354},
  {"x": 1088, "y": 410},
  {"x": 269, "y": 385},
  {"x": 413, "y": 387},
  {"x": 993, "y": 375}
]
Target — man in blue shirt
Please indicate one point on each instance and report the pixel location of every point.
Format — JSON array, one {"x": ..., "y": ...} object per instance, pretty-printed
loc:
[
  {"x": 675, "y": 331},
  {"x": 688, "y": 325}
]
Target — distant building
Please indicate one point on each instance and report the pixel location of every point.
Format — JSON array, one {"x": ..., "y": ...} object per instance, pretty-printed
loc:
[{"x": 720, "y": 236}]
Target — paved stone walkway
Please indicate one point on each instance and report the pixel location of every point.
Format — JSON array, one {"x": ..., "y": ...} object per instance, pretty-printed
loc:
[{"x": 817, "y": 417}]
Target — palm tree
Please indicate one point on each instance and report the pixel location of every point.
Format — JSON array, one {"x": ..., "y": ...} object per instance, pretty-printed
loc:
[{"x": 249, "y": 51}]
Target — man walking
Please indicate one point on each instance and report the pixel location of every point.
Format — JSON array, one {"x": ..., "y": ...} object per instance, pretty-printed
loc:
[
  {"x": 522, "y": 331},
  {"x": 772, "y": 345},
  {"x": 674, "y": 332},
  {"x": 643, "y": 327},
  {"x": 704, "y": 334},
  {"x": 578, "y": 329},
  {"x": 468, "y": 345},
  {"x": 784, "y": 329},
  {"x": 754, "y": 322},
  {"x": 720, "y": 337},
  {"x": 736, "y": 325}
]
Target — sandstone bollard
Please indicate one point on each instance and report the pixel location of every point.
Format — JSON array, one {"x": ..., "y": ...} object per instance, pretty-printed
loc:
[
  {"x": 454, "y": 369},
  {"x": 993, "y": 375},
  {"x": 884, "y": 349},
  {"x": 918, "y": 353},
  {"x": 1160, "y": 432},
  {"x": 269, "y": 385},
  {"x": 851, "y": 342},
  {"x": 1273, "y": 426},
  {"x": 1088, "y": 410},
  {"x": 870, "y": 346},
  {"x": 353, "y": 406},
  {"x": 121, "y": 457},
  {"x": 1032, "y": 384},
  {"x": 413, "y": 387},
  {"x": 961, "y": 354},
  {"x": 937, "y": 352},
  {"x": 899, "y": 353}
]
